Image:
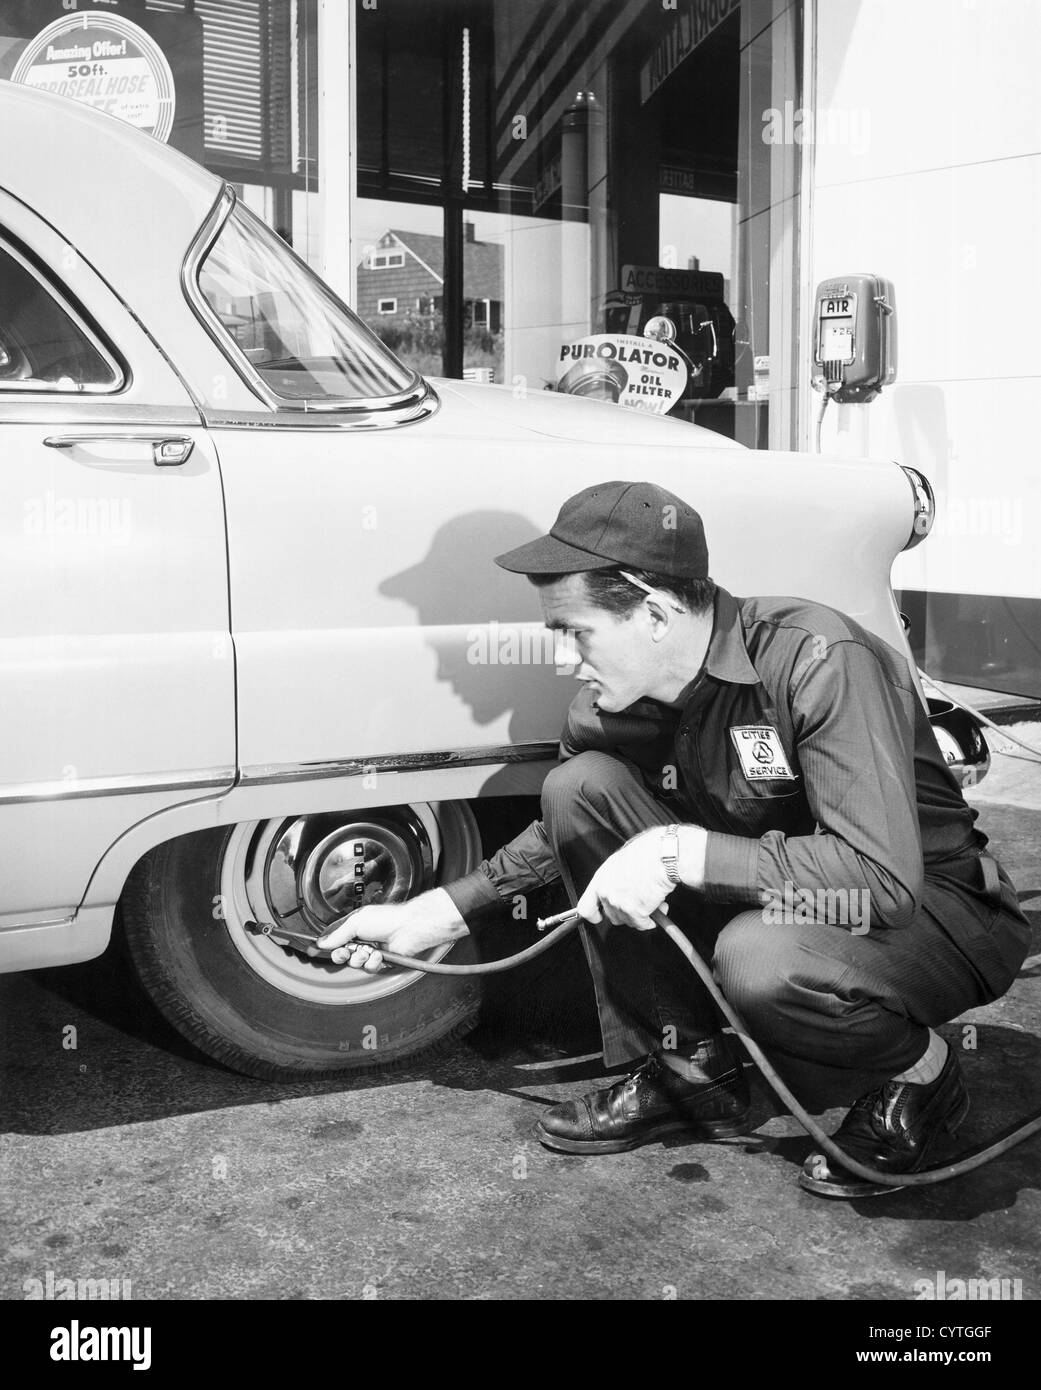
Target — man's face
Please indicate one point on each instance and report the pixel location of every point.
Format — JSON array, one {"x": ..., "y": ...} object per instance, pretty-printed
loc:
[{"x": 616, "y": 655}]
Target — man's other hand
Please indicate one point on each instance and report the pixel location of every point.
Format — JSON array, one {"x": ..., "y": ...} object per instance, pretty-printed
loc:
[
  {"x": 629, "y": 885},
  {"x": 407, "y": 928}
]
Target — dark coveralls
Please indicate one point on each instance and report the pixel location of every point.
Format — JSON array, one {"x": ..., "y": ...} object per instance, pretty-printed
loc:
[{"x": 803, "y": 749}]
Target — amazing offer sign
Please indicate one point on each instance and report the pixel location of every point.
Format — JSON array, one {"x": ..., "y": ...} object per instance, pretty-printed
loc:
[{"x": 109, "y": 63}]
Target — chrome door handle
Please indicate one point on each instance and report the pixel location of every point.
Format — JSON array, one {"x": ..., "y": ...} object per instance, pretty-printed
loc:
[{"x": 168, "y": 451}]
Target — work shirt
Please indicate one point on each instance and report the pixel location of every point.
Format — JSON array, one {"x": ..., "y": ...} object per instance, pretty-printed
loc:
[{"x": 804, "y": 750}]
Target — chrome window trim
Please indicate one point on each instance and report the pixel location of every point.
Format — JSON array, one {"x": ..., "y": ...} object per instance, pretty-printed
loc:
[
  {"x": 418, "y": 395},
  {"x": 268, "y": 774},
  {"x": 355, "y": 420},
  {"x": 128, "y": 785},
  {"x": 52, "y": 388}
]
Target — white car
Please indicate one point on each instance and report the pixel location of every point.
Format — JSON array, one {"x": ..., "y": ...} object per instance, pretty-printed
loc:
[{"x": 252, "y": 630}]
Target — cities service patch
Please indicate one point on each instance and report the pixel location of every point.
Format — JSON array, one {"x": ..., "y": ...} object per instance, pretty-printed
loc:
[{"x": 761, "y": 752}]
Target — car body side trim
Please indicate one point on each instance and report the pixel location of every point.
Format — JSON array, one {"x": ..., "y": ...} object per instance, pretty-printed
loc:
[
  {"x": 104, "y": 413},
  {"x": 268, "y": 774},
  {"x": 265, "y": 774},
  {"x": 129, "y": 785}
]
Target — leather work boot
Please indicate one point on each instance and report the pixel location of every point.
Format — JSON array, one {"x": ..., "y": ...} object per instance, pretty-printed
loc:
[
  {"x": 895, "y": 1129},
  {"x": 653, "y": 1101}
]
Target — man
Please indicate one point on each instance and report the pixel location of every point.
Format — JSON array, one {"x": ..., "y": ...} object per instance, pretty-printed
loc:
[{"x": 767, "y": 767}]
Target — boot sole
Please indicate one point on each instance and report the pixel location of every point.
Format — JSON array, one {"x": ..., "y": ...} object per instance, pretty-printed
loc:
[
  {"x": 820, "y": 1187},
  {"x": 701, "y": 1129}
]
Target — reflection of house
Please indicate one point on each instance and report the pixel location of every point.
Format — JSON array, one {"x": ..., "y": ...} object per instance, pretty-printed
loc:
[{"x": 402, "y": 277}]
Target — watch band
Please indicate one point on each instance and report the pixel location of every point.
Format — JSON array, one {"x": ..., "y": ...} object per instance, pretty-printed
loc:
[{"x": 670, "y": 853}]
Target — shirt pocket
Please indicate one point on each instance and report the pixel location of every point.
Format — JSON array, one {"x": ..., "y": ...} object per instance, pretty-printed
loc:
[{"x": 763, "y": 806}]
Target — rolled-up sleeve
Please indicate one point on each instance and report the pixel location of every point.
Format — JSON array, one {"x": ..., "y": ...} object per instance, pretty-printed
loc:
[{"x": 854, "y": 735}]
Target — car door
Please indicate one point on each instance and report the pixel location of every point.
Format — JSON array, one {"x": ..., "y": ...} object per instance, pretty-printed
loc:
[
  {"x": 340, "y": 504},
  {"x": 116, "y": 661}
]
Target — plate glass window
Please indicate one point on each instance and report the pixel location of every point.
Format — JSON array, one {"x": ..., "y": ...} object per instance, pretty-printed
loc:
[{"x": 552, "y": 169}]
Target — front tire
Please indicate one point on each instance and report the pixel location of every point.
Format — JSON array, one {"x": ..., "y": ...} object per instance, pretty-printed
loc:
[{"x": 258, "y": 1001}]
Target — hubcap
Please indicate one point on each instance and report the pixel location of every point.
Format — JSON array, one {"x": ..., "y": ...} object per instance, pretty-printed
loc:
[
  {"x": 318, "y": 871},
  {"x": 285, "y": 882}
]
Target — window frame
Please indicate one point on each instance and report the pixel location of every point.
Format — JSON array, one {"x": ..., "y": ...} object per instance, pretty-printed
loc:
[
  {"x": 389, "y": 299},
  {"x": 386, "y": 262},
  {"x": 418, "y": 397},
  {"x": 66, "y": 305}
]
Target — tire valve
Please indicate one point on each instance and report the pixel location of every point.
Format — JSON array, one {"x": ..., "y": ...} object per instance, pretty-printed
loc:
[
  {"x": 277, "y": 934},
  {"x": 546, "y": 923}
]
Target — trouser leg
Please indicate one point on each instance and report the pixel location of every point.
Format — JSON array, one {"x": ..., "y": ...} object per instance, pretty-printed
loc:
[
  {"x": 646, "y": 995},
  {"x": 839, "y": 1013}
]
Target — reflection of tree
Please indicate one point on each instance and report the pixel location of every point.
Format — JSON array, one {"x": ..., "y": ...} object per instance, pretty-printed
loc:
[{"x": 419, "y": 341}]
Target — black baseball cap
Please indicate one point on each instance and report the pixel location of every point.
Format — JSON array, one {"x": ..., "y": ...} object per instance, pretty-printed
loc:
[{"x": 637, "y": 525}]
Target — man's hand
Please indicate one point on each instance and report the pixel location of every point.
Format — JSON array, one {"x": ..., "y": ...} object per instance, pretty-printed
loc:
[
  {"x": 632, "y": 883},
  {"x": 629, "y": 885},
  {"x": 408, "y": 929}
]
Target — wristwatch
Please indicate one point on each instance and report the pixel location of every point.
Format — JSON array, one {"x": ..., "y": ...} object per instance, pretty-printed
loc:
[{"x": 670, "y": 853}]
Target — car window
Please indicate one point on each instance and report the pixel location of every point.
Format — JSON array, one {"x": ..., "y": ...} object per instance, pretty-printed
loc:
[
  {"x": 299, "y": 339},
  {"x": 45, "y": 346}
]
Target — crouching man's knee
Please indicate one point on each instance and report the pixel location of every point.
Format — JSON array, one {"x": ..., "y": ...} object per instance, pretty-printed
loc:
[
  {"x": 750, "y": 965},
  {"x": 585, "y": 780}
]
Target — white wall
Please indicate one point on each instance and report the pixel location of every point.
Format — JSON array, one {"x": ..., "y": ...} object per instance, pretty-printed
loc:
[{"x": 930, "y": 174}]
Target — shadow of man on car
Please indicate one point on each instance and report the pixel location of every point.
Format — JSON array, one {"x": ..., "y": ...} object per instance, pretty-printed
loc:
[{"x": 485, "y": 625}]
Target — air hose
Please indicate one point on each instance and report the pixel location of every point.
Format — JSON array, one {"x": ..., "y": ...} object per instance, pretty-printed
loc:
[
  {"x": 568, "y": 921},
  {"x": 490, "y": 967}
]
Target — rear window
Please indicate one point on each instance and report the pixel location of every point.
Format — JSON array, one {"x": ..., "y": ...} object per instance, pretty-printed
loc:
[
  {"x": 44, "y": 344},
  {"x": 295, "y": 334}
]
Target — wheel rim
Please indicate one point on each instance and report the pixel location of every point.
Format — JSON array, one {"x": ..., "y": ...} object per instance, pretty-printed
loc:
[{"x": 277, "y": 879}]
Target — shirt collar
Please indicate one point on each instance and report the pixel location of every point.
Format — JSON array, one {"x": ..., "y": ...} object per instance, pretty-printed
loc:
[{"x": 727, "y": 658}]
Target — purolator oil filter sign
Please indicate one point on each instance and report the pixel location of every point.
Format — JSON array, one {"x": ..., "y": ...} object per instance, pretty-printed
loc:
[
  {"x": 637, "y": 373},
  {"x": 106, "y": 61}
]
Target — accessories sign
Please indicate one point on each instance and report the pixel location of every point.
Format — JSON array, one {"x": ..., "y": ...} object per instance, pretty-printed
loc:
[
  {"x": 107, "y": 62},
  {"x": 662, "y": 280}
]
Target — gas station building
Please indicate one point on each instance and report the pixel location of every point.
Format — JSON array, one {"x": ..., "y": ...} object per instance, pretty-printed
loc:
[{"x": 707, "y": 161}]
